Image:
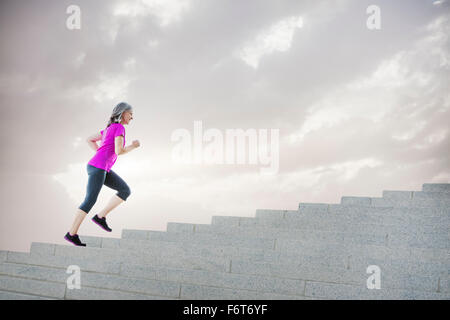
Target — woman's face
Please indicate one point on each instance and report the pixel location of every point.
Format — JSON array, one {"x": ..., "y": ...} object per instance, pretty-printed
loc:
[{"x": 127, "y": 116}]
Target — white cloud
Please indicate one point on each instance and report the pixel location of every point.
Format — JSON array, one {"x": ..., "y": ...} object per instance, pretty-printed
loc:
[
  {"x": 276, "y": 38},
  {"x": 313, "y": 181},
  {"x": 311, "y": 178},
  {"x": 349, "y": 169},
  {"x": 327, "y": 116},
  {"x": 111, "y": 87},
  {"x": 106, "y": 87},
  {"x": 410, "y": 132},
  {"x": 433, "y": 138},
  {"x": 410, "y": 73},
  {"x": 438, "y": 2},
  {"x": 437, "y": 42},
  {"x": 167, "y": 11}
]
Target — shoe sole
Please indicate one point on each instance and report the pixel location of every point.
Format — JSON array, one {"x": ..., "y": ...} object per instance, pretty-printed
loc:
[
  {"x": 100, "y": 225},
  {"x": 76, "y": 245}
]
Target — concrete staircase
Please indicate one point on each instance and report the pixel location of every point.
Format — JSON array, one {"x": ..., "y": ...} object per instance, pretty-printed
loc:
[{"x": 320, "y": 251}]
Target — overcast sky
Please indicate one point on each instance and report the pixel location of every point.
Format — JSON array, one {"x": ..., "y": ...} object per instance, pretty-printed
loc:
[{"x": 358, "y": 110}]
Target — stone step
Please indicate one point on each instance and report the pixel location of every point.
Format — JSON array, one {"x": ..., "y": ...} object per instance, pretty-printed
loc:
[
  {"x": 224, "y": 251},
  {"x": 35, "y": 266},
  {"x": 89, "y": 293},
  {"x": 298, "y": 253},
  {"x": 436, "y": 187},
  {"x": 153, "y": 288},
  {"x": 418, "y": 203},
  {"x": 262, "y": 243},
  {"x": 343, "y": 225},
  {"x": 414, "y": 261},
  {"x": 8, "y": 295},
  {"x": 80, "y": 256},
  {"x": 415, "y": 238},
  {"x": 356, "y": 201},
  {"x": 406, "y": 267},
  {"x": 197, "y": 292},
  {"x": 159, "y": 281},
  {"x": 3, "y": 255},
  {"x": 275, "y": 233},
  {"x": 146, "y": 253},
  {"x": 404, "y": 252},
  {"x": 444, "y": 284},
  {"x": 307, "y": 253},
  {"x": 149, "y": 252},
  {"x": 416, "y": 199},
  {"x": 424, "y": 240},
  {"x": 43, "y": 289},
  {"x": 412, "y": 213},
  {"x": 116, "y": 256},
  {"x": 408, "y": 195},
  {"x": 357, "y": 215},
  {"x": 423, "y": 283},
  {"x": 335, "y": 291},
  {"x": 323, "y": 208},
  {"x": 307, "y": 230},
  {"x": 400, "y": 199},
  {"x": 318, "y": 251},
  {"x": 393, "y": 277}
]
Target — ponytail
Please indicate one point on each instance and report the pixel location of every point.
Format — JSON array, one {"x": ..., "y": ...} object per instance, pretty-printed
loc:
[{"x": 112, "y": 120}]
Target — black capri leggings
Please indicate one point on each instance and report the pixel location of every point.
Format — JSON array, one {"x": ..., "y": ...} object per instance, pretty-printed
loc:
[{"x": 97, "y": 178}]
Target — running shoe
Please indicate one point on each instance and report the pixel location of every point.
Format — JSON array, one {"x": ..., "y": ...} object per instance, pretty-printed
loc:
[
  {"x": 101, "y": 222},
  {"x": 74, "y": 239}
]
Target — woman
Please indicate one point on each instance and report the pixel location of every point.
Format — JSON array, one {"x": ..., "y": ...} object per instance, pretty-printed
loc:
[{"x": 99, "y": 170}]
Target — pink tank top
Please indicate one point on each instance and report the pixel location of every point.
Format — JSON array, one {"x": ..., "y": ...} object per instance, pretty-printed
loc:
[{"x": 105, "y": 157}]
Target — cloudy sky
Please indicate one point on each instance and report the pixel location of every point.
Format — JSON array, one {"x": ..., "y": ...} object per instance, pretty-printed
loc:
[{"x": 358, "y": 110}]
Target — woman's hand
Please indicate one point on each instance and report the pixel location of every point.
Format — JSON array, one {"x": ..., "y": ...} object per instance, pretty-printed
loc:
[{"x": 136, "y": 144}]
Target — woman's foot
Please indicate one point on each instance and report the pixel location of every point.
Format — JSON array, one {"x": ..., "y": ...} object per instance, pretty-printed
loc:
[
  {"x": 101, "y": 222},
  {"x": 74, "y": 239}
]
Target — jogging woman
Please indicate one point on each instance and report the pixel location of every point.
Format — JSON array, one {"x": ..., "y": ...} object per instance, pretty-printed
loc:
[{"x": 100, "y": 173}]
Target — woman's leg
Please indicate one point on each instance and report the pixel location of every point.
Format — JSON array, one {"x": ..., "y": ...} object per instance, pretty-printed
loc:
[
  {"x": 77, "y": 222},
  {"x": 115, "y": 182},
  {"x": 95, "y": 182},
  {"x": 112, "y": 204}
]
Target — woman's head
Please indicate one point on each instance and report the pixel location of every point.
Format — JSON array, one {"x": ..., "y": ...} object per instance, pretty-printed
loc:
[{"x": 122, "y": 113}]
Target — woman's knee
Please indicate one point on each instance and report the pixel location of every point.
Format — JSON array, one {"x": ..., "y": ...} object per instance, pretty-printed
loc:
[
  {"x": 124, "y": 193},
  {"x": 86, "y": 206},
  {"x": 89, "y": 202}
]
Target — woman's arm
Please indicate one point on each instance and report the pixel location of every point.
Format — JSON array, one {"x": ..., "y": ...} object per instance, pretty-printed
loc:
[
  {"x": 119, "y": 149},
  {"x": 92, "y": 140}
]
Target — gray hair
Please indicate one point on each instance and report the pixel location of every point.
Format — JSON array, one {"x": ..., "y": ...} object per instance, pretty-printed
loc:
[{"x": 117, "y": 112}]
